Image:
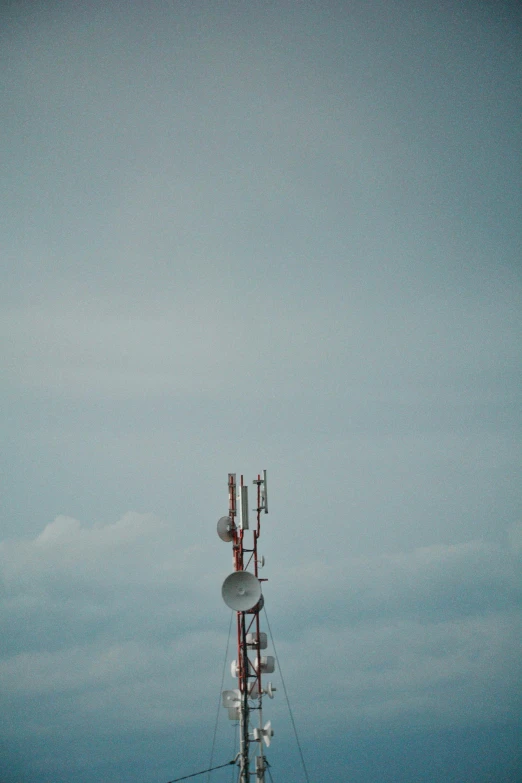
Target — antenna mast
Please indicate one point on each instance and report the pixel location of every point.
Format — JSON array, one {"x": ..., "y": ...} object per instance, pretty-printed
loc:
[{"x": 242, "y": 592}]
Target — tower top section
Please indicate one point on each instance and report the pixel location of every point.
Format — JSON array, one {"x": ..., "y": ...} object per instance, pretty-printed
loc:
[{"x": 242, "y": 593}]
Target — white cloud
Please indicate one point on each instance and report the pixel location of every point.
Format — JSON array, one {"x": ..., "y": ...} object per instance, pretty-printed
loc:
[
  {"x": 128, "y": 624},
  {"x": 443, "y": 672},
  {"x": 438, "y": 580},
  {"x": 272, "y": 234},
  {"x": 137, "y": 548}
]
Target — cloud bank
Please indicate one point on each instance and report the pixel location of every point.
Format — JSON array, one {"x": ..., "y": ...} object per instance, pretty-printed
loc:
[{"x": 115, "y": 628}]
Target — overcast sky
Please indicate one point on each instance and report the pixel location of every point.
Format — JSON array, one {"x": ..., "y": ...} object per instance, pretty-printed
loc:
[{"x": 272, "y": 235}]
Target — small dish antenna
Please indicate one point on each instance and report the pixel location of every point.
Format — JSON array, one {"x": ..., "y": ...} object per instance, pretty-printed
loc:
[
  {"x": 224, "y": 529},
  {"x": 230, "y": 698},
  {"x": 265, "y": 663},
  {"x": 241, "y": 591},
  {"x": 257, "y": 639},
  {"x": 266, "y": 733}
]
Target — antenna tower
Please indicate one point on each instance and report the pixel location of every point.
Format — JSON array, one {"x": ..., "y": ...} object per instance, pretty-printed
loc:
[{"x": 242, "y": 592}]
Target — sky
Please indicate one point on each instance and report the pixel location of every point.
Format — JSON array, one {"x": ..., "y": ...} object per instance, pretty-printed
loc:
[{"x": 240, "y": 236}]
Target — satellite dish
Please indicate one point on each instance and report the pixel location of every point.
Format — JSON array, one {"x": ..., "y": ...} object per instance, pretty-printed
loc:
[
  {"x": 230, "y": 698},
  {"x": 265, "y": 663},
  {"x": 241, "y": 591},
  {"x": 268, "y": 733},
  {"x": 254, "y": 639},
  {"x": 224, "y": 529},
  {"x": 269, "y": 690}
]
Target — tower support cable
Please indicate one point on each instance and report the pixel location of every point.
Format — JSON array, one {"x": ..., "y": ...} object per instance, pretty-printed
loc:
[
  {"x": 203, "y": 771},
  {"x": 219, "y": 698},
  {"x": 287, "y": 700}
]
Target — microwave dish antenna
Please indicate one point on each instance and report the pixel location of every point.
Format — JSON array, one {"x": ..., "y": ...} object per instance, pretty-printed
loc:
[
  {"x": 241, "y": 591},
  {"x": 225, "y": 529}
]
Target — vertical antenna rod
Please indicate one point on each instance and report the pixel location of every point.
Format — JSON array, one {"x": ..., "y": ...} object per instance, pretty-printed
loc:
[{"x": 242, "y": 592}]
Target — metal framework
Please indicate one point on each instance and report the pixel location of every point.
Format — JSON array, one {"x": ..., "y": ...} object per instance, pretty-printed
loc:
[{"x": 245, "y": 703}]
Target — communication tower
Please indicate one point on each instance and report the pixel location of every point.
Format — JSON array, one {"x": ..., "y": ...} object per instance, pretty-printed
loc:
[{"x": 242, "y": 592}]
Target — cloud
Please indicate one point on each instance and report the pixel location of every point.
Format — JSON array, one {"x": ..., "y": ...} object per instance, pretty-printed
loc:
[
  {"x": 438, "y": 581},
  {"x": 421, "y": 637},
  {"x": 118, "y": 620},
  {"x": 421, "y": 672},
  {"x": 74, "y": 585},
  {"x": 286, "y": 238}
]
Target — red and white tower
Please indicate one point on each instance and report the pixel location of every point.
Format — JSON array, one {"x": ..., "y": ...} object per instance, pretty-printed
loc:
[{"x": 242, "y": 592}]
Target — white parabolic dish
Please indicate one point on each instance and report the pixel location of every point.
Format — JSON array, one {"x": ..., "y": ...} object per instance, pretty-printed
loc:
[
  {"x": 224, "y": 529},
  {"x": 241, "y": 591}
]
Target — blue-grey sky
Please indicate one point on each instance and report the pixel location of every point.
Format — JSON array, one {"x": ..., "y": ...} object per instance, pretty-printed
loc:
[{"x": 249, "y": 235}]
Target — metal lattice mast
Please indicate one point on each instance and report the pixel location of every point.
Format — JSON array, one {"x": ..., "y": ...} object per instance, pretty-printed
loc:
[{"x": 242, "y": 593}]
